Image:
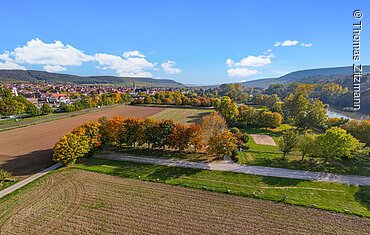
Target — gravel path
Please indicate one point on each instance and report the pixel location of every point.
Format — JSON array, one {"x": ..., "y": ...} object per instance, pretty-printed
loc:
[{"x": 255, "y": 170}]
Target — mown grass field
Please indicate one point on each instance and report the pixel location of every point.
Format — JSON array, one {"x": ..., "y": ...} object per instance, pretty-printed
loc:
[
  {"x": 185, "y": 116},
  {"x": 265, "y": 155},
  {"x": 329, "y": 196},
  {"x": 73, "y": 201}
]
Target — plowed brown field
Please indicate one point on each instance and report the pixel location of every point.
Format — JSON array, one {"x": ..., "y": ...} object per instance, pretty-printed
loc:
[
  {"x": 80, "y": 202},
  {"x": 27, "y": 150}
]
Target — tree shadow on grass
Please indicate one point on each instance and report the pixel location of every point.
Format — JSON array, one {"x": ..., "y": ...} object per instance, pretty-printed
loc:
[
  {"x": 280, "y": 182},
  {"x": 363, "y": 196},
  {"x": 145, "y": 171},
  {"x": 196, "y": 118}
]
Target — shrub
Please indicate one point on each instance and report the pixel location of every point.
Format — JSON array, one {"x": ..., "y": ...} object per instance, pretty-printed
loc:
[
  {"x": 244, "y": 146},
  {"x": 4, "y": 175},
  {"x": 234, "y": 130},
  {"x": 245, "y": 138}
]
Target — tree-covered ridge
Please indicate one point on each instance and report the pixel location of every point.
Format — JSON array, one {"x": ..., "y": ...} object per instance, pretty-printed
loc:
[{"x": 41, "y": 76}]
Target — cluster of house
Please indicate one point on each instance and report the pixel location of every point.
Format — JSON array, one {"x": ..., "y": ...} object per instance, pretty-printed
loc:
[{"x": 58, "y": 93}]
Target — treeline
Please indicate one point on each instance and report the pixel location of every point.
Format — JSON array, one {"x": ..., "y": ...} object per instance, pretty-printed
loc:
[
  {"x": 177, "y": 98},
  {"x": 330, "y": 93},
  {"x": 85, "y": 102},
  {"x": 212, "y": 135},
  {"x": 19, "y": 105}
]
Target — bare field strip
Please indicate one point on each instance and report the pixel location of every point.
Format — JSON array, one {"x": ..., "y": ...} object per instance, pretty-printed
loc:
[
  {"x": 80, "y": 202},
  {"x": 27, "y": 150},
  {"x": 263, "y": 139}
]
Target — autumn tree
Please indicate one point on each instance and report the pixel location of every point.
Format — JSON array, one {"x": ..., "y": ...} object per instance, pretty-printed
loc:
[
  {"x": 179, "y": 138},
  {"x": 111, "y": 129},
  {"x": 212, "y": 124},
  {"x": 165, "y": 128},
  {"x": 248, "y": 115},
  {"x": 133, "y": 131},
  {"x": 195, "y": 136},
  {"x": 150, "y": 134},
  {"x": 222, "y": 144},
  {"x": 270, "y": 119}
]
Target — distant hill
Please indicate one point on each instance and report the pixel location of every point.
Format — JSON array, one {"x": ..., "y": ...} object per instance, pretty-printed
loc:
[
  {"x": 41, "y": 76},
  {"x": 320, "y": 75}
]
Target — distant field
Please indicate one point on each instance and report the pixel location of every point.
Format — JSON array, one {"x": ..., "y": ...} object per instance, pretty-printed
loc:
[
  {"x": 185, "y": 116},
  {"x": 80, "y": 202}
]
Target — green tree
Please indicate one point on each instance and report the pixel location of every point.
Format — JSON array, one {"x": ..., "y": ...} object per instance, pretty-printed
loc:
[
  {"x": 270, "y": 119},
  {"x": 336, "y": 143},
  {"x": 313, "y": 117},
  {"x": 32, "y": 110},
  {"x": 307, "y": 144},
  {"x": 229, "y": 109},
  {"x": 288, "y": 141},
  {"x": 294, "y": 104},
  {"x": 46, "y": 109}
]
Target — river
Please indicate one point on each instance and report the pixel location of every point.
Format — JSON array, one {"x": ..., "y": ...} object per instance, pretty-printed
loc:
[{"x": 335, "y": 113}]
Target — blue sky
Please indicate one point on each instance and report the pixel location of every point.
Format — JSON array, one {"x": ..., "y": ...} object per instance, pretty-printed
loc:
[{"x": 194, "y": 42}]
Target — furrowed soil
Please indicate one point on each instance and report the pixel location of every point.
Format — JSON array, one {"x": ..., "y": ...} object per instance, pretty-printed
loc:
[
  {"x": 79, "y": 202},
  {"x": 27, "y": 150}
]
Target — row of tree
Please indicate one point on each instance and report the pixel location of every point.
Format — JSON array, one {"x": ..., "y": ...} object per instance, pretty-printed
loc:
[
  {"x": 177, "y": 98},
  {"x": 137, "y": 132}
]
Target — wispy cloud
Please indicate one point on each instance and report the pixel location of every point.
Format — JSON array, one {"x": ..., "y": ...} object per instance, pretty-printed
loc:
[{"x": 289, "y": 43}]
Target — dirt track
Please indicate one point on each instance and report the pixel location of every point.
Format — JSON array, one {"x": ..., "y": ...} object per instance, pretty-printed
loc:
[{"x": 27, "y": 150}]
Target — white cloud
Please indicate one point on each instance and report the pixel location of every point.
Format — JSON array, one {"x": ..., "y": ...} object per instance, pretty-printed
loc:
[
  {"x": 54, "y": 68},
  {"x": 132, "y": 66},
  {"x": 286, "y": 43},
  {"x": 254, "y": 61},
  {"x": 306, "y": 44},
  {"x": 56, "y": 57},
  {"x": 230, "y": 62},
  {"x": 169, "y": 68},
  {"x": 241, "y": 72},
  {"x": 128, "y": 54},
  {"x": 38, "y": 52},
  {"x": 8, "y": 62}
]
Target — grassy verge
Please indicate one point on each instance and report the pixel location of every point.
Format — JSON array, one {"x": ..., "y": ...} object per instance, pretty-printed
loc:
[
  {"x": 8, "y": 183},
  {"x": 323, "y": 195}
]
